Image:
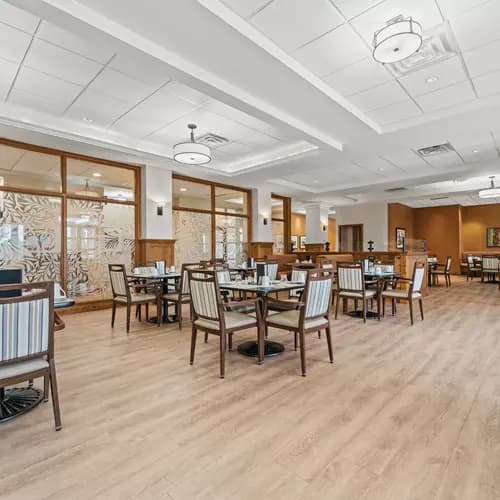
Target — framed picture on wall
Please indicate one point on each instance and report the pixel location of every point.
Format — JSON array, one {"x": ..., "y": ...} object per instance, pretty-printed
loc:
[
  {"x": 493, "y": 237},
  {"x": 303, "y": 241},
  {"x": 294, "y": 239},
  {"x": 400, "y": 238}
]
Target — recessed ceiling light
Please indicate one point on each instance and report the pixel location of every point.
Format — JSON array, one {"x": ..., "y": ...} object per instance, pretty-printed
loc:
[
  {"x": 97, "y": 174},
  {"x": 183, "y": 190},
  {"x": 87, "y": 119},
  {"x": 475, "y": 150},
  {"x": 432, "y": 79},
  {"x": 316, "y": 181}
]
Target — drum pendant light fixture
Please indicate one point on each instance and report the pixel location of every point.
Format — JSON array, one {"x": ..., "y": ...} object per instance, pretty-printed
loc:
[
  {"x": 398, "y": 39},
  {"x": 192, "y": 153},
  {"x": 491, "y": 192}
]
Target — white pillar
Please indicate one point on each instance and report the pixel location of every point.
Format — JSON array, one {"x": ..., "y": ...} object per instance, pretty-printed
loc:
[
  {"x": 156, "y": 198},
  {"x": 316, "y": 223},
  {"x": 261, "y": 209}
]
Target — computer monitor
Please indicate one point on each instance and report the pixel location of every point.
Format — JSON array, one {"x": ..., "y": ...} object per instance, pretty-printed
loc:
[{"x": 8, "y": 277}]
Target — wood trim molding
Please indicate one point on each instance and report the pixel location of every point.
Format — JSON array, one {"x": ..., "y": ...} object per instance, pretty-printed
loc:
[
  {"x": 149, "y": 250},
  {"x": 260, "y": 249}
]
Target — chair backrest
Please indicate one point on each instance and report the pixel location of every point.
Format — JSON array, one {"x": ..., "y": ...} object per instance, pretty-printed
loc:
[
  {"x": 27, "y": 322},
  {"x": 490, "y": 263},
  {"x": 470, "y": 262},
  {"x": 223, "y": 276},
  {"x": 298, "y": 275},
  {"x": 447, "y": 266},
  {"x": 204, "y": 294},
  {"x": 350, "y": 277},
  {"x": 418, "y": 276},
  {"x": 269, "y": 269},
  {"x": 119, "y": 280},
  {"x": 317, "y": 294},
  {"x": 184, "y": 279},
  {"x": 145, "y": 270}
]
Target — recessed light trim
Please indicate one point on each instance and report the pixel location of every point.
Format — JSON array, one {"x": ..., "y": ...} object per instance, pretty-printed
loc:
[
  {"x": 96, "y": 174},
  {"x": 87, "y": 119},
  {"x": 432, "y": 79},
  {"x": 183, "y": 190}
]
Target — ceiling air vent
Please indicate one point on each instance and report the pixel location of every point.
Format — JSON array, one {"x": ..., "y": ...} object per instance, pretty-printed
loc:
[
  {"x": 437, "y": 198},
  {"x": 395, "y": 190},
  {"x": 212, "y": 140},
  {"x": 438, "y": 149},
  {"x": 437, "y": 46}
]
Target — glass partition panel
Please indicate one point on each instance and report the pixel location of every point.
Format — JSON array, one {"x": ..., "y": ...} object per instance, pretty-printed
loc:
[
  {"x": 193, "y": 237},
  {"x": 87, "y": 178},
  {"x": 231, "y": 239},
  {"x": 22, "y": 168},
  {"x": 231, "y": 201},
  {"x": 98, "y": 234},
  {"x": 195, "y": 195},
  {"x": 278, "y": 237},
  {"x": 30, "y": 235}
]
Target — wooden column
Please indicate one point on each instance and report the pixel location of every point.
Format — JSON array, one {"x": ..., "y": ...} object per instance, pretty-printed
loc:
[
  {"x": 149, "y": 250},
  {"x": 260, "y": 250}
]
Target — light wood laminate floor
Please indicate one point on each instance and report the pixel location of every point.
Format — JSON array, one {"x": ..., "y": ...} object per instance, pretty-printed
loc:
[{"x": 404, "y": 413}]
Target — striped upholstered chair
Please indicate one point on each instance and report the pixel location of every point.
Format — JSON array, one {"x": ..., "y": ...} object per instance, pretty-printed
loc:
[
  {"x": 312, "y": 314},
  {"x": 489, "y": 268},
  {"x": 27, "y": 340},
  {"x": 412, "y": 291},
  {"x": 351, "y": 284},
  {"x": 213, "y": 316},
  {"x": 132, "y": 293}
]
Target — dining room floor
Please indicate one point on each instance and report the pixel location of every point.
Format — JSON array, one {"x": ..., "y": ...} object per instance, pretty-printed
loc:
[{"x": 403, "y": 413}]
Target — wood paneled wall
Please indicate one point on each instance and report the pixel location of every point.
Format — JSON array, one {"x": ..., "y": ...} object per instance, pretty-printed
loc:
[
  {"x": 475, "y": 221},
  {"x": 150, "y": 250},
  {"x": 299, "y": 228},
  {"x": 401, "y": 216}
]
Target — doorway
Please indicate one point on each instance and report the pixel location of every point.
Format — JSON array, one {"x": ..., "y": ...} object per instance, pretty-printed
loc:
[{"x": 351, "y": 238}]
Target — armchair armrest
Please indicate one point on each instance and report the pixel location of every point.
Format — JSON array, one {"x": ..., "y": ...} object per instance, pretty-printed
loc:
[{"x": 283, "y": 303}]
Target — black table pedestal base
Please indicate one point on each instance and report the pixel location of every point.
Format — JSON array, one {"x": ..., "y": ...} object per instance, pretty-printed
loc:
[
  {"x": 15, "y": 402},
  {"x": 359, "y": 314},
  {"x": 270, "y": 348}
]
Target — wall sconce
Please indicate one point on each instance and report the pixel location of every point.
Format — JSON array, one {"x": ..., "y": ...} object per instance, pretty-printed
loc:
[
  {"x": 265, "y": 220},
  {"x": 325, "y": 227},
  {"x": 159, "y": 209}
]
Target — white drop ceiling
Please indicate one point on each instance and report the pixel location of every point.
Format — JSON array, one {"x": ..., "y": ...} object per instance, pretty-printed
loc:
[{"x": 290, "y": 84}]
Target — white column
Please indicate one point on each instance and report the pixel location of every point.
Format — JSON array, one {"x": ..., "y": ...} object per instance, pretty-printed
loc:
[
  {"x": 261, "y": 209},
  {"x": 156, "y": 197},
  {"x": 316, "y": 223}
]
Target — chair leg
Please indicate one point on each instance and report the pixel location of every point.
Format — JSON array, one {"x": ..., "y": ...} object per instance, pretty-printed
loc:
[
  {"x": 337, "y": 307},
  {"x": 159, "y": 312},
  {"x": 364, "y": 310},
  {"x": 260, "y": 345},
  {"x": 410, "y": 303},
  {"x": 113, "y": 314},
  {"x": 420, "y": 303},
  {"x": 295, "y": 340},
  {"x": 378, "y": 308},
  {"x": 179, "y": 313},
  {"x": 138, "y": 312},
  {"x": 230, "y": 342},
  {"x": 302, "y": 342},
  {"x": 329, "y": 342},
  {"x": 222, "y": 354},
  {"x": 319, "y": 334},
  {"x": 206, "y": 338},
  {"x": 55, "y": 395},
  {"x": 383, "y": 307},
  {"x": 46, "y": 381},
  {"x": 194, "y": 333},
  {"x": 128, "y": 317}
]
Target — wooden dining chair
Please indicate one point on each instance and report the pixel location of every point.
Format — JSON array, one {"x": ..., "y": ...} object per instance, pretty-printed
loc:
[
  {"x": 413, "y": 291},
  {"x": 132, "y": 293},
  {"x": 472, "y": 269},
  {"x": 351, "y": 284},
  {"x": 27, "y": 338},
  {"x": 213, "y": 316},
  {"x": 312, "y": 314},
  {"x": 442, "y": 270},
  {"x": 489, "y": 268}
]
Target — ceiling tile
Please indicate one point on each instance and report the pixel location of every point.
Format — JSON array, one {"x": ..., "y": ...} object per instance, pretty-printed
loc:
[
  {"x": 18, "y": 18},
  {"x": 61, "y": 63},
  {"x": 395, "y": 112},
  {"x": 292, "y": 23},
  {"x": 135, "y": 125},
  {"x": 478, "y": 26},
  {"x": 333, "y": 51},
  {"x": 234, "y": 149},
  {"x": 358, "y": 77},
  {"x": 423, "y": 11},
  {"x": 123, "y": 87},
  {"x": 447, "y": 97},
  {"x": 447, "y": 73},
  {"x": 445, "y": 160},
  {"x": 53, "y": 106},
  {"x": 187, "y": 93},
  {"x": 8, "y": 71},
  {"x": 258, "y": 140},
  {"x": 142, "y": 67},
  {"x": 451, "y": 8},
  {"x": 102, "y": 109},
  {"x": 379, "y": 97},
  {"x": 246, "y": 8},
  {"x": 46, "y": 86},
  {"x": 408, "y": 161},
  {"x": 13, "y": 43},
  {"x": 352, "y": 8},
  {"x": 95, "y": 49},
  {"x": 487, "y": 84},
  {"x": 484, "y": 59}
]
